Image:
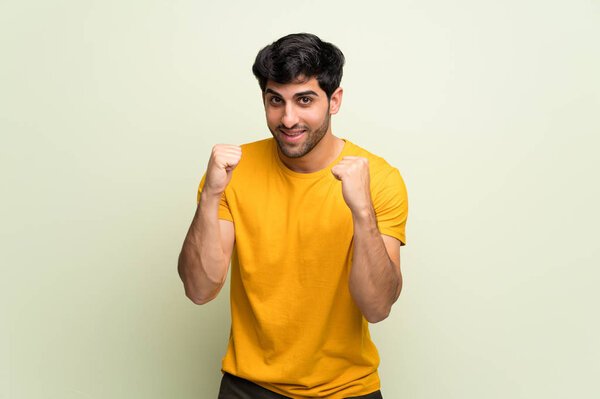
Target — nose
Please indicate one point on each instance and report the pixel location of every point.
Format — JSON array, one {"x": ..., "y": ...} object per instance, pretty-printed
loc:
[{"x": 290, "y": 117}]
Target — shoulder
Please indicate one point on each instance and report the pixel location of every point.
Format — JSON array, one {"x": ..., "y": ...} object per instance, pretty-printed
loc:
[
  {"x": 386, "y": 180},
  {"x": 258, "y": 146},
  {"x": 257, "y": 160},
  {"x": 256, "y": 153},
  {"x": 388, "y": 193},
  {"x": 378, "y": 166}
]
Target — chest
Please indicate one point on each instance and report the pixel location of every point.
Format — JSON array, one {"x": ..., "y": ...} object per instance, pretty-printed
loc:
[{"x": 281, "y": 213}]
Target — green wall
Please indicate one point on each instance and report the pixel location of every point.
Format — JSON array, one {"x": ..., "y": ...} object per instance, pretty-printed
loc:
[{"x": 108, "y": 111}]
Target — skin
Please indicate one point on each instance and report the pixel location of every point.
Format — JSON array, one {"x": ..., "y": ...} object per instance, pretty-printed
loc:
[
  {"x": 207, "y": 248},
  {"x": 375, "y": 279},
  {"x": 298, "y": 115},
  {"x": 302, "y": 107}
]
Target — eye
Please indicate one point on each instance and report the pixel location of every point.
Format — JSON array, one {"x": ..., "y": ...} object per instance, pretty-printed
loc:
[
  {"x": 275, "y": 100},
  {"x": 305, "y": 100}
]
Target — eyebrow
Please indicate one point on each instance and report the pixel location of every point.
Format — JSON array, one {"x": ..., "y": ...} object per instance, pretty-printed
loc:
[{"x": 302, "y": 93}]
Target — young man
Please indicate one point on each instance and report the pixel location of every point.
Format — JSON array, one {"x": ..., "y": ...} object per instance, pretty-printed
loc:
[{"x": 312, "y": 225}]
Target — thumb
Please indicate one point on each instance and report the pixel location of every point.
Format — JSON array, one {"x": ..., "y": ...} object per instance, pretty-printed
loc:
[{"x": 335, "y": 171}]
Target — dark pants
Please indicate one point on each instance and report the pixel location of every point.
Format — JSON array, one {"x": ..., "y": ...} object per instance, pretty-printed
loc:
[{"x": 233, "y": 387}]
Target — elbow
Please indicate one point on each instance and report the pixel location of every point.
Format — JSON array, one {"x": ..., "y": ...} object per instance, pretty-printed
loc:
[
  {"x": 398, "y": 288},
  {"x": 197, "y": 291},
  {"x": 398, "y": 291},
  {"x": 377, "y": 316},
  {"x": 201, "y": 294},
  {"x": 380, "y": 311},
  {"x": 199, "y": 299}
]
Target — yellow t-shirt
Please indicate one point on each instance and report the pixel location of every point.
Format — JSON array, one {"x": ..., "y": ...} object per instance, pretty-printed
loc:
[{"x": 295, "y": 328}]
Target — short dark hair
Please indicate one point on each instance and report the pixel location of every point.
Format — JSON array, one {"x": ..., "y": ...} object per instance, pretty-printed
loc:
[{"x": 300, "y": 54}]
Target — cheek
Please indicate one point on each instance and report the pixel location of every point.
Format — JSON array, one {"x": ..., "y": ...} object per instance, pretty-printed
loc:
[
  {"x": 272, "y": 117},
  {"x": 315, "y": 119}
]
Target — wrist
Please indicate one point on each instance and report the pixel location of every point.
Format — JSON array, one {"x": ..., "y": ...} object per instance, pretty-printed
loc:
[
  {"x": 363, "y": 213},
  {"x": 208, "y": 197}
]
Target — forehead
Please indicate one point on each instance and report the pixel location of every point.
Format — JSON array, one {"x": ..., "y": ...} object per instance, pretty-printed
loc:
[{"x": 299, "y": 85}]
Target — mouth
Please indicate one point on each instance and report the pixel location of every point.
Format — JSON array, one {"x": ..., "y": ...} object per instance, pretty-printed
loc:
[{"x": 292, "y": 134}]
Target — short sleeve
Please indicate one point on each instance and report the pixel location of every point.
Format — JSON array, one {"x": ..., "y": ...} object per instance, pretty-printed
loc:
[
  {"x": 391, "y": 205},
  {"x": 224, "y": 212}
]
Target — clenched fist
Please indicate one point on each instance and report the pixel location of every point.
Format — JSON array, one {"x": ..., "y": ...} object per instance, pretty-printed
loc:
[
  {"x": 223, "y": 160},
  {"x": 353, "y": 172}
]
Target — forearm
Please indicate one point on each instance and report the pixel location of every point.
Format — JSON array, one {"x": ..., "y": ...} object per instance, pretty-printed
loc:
[
  {"x": 375, "y": 281},
  {"x": 202, "y": 264}
]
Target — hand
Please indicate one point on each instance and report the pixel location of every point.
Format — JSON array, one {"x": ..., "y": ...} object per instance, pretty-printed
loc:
[
  {"x": 223, "y": 160},
  {"x": 353, "y": 172}
]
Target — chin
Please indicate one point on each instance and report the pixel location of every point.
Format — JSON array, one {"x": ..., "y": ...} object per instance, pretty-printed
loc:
[
  {"x": 298, "y": 149},
  {"x": 295, "y": 152}
]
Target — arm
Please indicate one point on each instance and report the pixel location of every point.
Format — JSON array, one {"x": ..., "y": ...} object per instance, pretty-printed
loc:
[
  {"x": 206, "y": 252},
  {"x": 375, "y": 279}
]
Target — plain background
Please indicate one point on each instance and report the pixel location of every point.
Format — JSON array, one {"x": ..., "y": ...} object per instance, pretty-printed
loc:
[{"x": 108, "y": 111}]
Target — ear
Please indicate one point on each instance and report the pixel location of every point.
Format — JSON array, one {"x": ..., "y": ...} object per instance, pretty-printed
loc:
[{"x": 335, "y": 102}]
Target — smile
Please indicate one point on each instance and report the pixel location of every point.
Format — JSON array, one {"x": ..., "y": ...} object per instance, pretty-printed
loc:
[{"x": 292, "y": 135}]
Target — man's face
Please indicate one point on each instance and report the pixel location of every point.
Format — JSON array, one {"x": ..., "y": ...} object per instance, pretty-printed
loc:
[{"x": 297, "y": 115}]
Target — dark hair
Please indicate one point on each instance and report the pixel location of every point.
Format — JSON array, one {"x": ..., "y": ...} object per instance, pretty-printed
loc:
[{"x": 300, "y": 54}]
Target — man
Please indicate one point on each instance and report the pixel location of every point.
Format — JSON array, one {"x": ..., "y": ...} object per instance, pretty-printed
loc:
[{"x": 313, "y": 226}]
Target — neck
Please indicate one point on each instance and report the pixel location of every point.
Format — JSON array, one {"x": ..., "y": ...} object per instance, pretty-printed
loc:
[{"x": 324, "y": 153}]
